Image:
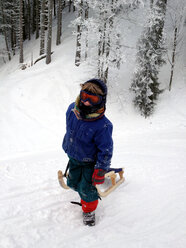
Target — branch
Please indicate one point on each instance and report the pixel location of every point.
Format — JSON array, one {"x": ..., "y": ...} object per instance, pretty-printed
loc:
[{"x": 42, "y": 57}]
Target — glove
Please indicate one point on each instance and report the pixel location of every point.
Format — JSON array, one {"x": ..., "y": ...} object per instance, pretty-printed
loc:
[{"x": 98, "y": 176}]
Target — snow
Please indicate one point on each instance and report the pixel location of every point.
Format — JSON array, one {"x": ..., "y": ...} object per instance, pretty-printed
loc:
[{"x": 147, "y": 210}]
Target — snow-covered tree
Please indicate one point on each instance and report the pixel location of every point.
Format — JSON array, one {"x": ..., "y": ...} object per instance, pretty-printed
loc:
[
  {"x": 176, "y": 17},
  {"x": 150, "y": 57},
  {"x": 79, "y": 6},
  {"x": 99, "y": 33}
]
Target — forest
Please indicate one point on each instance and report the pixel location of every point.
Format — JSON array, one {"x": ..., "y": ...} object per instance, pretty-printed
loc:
[
  {"x": 100, "y": 40},
  {"x": 48, "y": 49}
]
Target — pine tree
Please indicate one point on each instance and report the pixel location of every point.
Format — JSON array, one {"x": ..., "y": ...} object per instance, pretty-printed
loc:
[{"x": 150, "y": 58}]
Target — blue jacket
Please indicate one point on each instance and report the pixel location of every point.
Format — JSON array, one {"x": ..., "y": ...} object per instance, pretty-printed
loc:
[{"x": 88, "y": 141}]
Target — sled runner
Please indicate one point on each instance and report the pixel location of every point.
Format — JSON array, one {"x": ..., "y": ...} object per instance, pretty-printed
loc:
[{"x": 111, "y": 174}]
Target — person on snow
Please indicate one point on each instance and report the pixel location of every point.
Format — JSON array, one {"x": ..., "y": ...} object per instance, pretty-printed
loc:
[{"x": 88, "y": 144}]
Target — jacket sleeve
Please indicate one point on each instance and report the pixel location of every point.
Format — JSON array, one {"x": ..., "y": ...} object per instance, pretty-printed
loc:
[
  {"x": 65, "y": 139},
  {"x": 104, "y": 143}
]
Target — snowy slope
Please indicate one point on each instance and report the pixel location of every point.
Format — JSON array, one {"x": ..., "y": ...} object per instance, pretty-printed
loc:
[{"x": 147, "y": 211}]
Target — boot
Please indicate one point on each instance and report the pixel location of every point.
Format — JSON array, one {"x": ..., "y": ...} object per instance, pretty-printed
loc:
[{"x": 89, "y": 218}]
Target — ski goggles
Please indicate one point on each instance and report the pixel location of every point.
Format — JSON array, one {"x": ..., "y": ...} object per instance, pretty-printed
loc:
[{"x": 94, "y": 99}]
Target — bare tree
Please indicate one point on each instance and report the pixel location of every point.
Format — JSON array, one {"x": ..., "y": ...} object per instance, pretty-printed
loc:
[
  {"x": 177, "y": 20},
  {"x": 173, "y": 57}
]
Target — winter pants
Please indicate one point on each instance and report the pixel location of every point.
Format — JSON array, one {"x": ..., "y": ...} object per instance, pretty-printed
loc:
[{"x": 80, "y": 180}]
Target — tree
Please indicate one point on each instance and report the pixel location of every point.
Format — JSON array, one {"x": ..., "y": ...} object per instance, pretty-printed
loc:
[
  {"x": 150, "y": 58},
  {"x": 29, "y": 18},
  {"x": 4, "y": 28},
  {"x": 59, "y": 22},
  {"x": 37, "y": 18},
  {"x": 177, "y": 23},
  {"x": 86, "y": 19},
  {"x": 79, "y": 6},
  {"x": 21, "y": 31},
  {"x": 49, "y": 37},
  {"x": 43, "y": 18},
  {"x": 98, "y": 35}
]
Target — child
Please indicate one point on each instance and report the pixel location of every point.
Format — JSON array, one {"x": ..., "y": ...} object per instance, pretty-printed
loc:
[{"x": 88, "y": 144}]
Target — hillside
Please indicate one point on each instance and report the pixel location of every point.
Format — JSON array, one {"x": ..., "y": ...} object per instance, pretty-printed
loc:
[{"x": 147, "y": 210}]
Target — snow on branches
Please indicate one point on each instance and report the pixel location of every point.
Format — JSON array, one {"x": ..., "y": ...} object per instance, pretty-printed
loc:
[{"x": 150, "y": 57}]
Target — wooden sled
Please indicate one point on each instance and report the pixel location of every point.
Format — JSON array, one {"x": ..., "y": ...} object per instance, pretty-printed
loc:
[{"x": 112, "y": 174}]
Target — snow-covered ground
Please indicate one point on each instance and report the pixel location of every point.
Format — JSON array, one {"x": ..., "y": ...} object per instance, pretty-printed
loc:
[{"x": 147, "y": 211}]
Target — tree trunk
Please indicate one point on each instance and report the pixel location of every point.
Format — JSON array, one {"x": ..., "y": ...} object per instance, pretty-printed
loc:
[
  {"x": 13, "y": 28},
  {"x": 99, "y": 53},
  {"x": 29, "y": 20},
  {"x": 4, "y": 31},
  {"x": 25, "y": 22},
  {"x": 7, "y": 46},
  {"x": 108, "y": 44},
  {"x": 33, "y": 25},
  {"x": 21, "y": 31},
  {"x": 49, "y": 38},
  {"x": 118, "y": 51},
  {"x": 54, "y": 8},
  {"x": 37, "y": 19},
  {"x": 100, "y": 44},
  {"x": 103, "y": 51},
  {"x": 173, "y": 57},
  {"x": 79, "y": 33},
  {"x": 42, "y": 38},
  {"x": 86, "y": 18},
  {"x": 59, "y": 23},
  {"x": 70, "y": 5},
  {"x": 12, "y": 38}
]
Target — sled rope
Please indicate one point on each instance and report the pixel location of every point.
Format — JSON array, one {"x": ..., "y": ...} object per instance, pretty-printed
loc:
[
  {"x": 77, "y": 203},
  {"x": 66, "y": 170}
]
